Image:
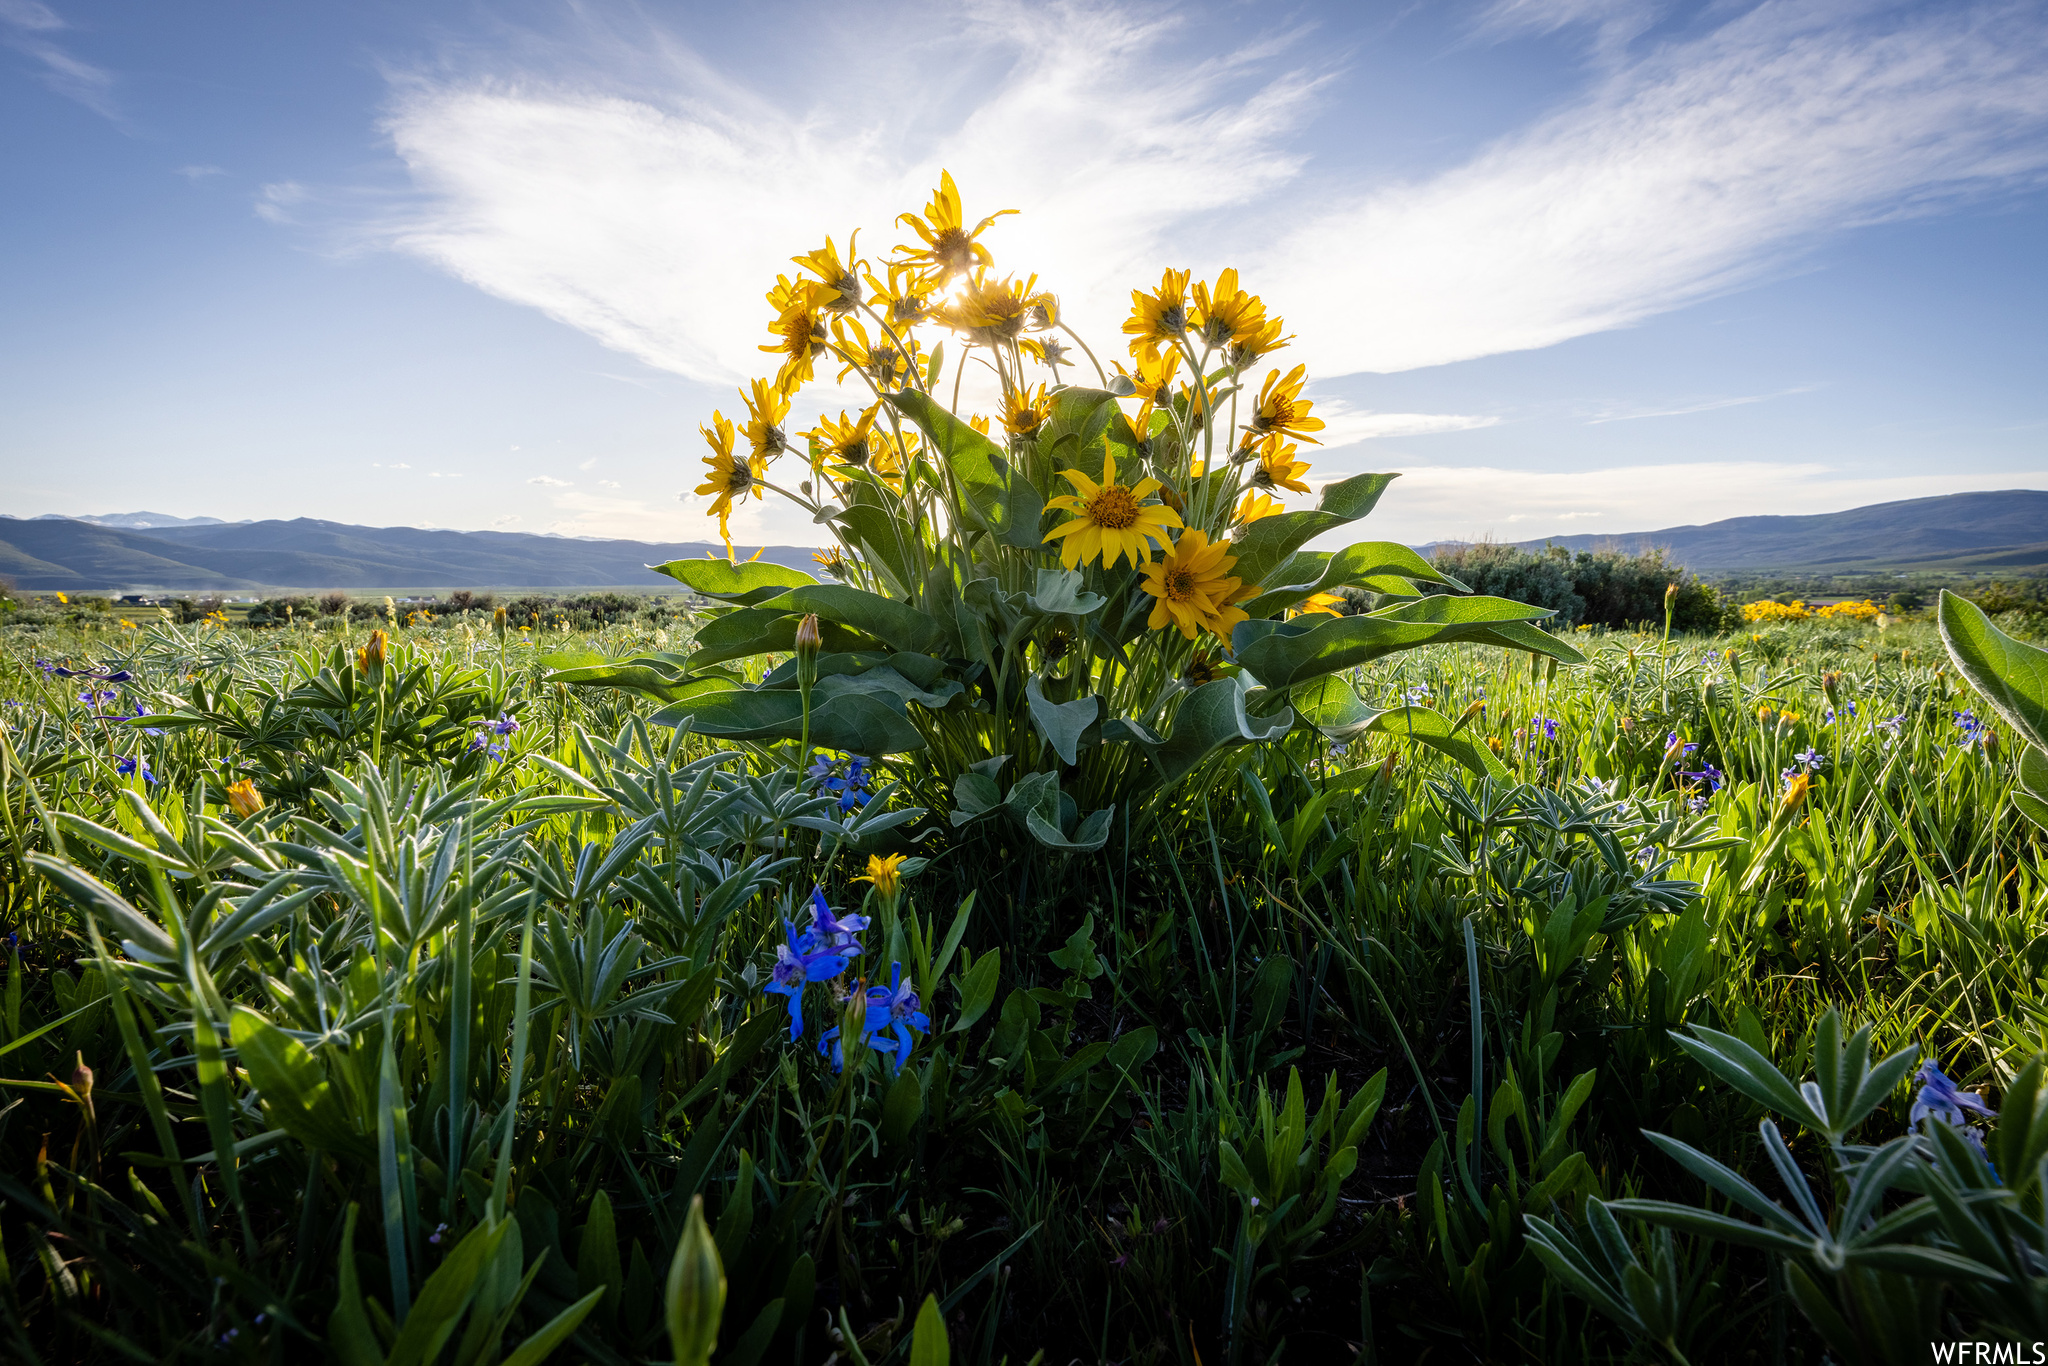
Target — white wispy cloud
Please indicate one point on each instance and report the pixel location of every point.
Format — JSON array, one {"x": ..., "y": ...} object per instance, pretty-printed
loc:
[
  {"x": 549, "y": 482},
  {"x": 25, "y": 26},
  {"x": 198, "y": 173},
  {"x": 1702, "y": 406},
  {"x": 654, "y": 220},
  {"x": 1684, "y": 172},
  {"x": 279, "y": 201},
  {"x": 1343, "y": 424}
]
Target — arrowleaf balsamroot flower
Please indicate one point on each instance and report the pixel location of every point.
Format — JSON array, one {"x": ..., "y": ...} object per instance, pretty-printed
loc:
[
  {"x": 1282, "y": 410},
  {"x": 1277, "y": 467},
  {"x": 1110, "y": 519},
  {"x": 726, "y": 475},
  {"x": 767, "y": 406},
  {"x": 371, "y": 655},
  {"x": 1025, "y": 411},
  {"x": 989, "y": 312},
  {"x": 838, "y": 285},
  {"x": 845, "y": 442},
  {"x": 799, "y": 327},
  {"x": 1160, "y": 317},
  {"x": 949, "y": 247},
  {"x": 243, "y": 798},
  {"x": 1192, "y": 587}
]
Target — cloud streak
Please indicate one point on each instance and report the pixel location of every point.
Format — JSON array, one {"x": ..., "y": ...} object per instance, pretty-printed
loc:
[{"x": 1684, "y": 173}]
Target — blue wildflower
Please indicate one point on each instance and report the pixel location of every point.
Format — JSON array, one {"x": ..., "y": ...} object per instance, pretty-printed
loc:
[
  {"x": 139, "y": 712},
  {"x": 886, "y": 1010},
  {"x": 1713, "y": 777},
  {"x": 1847, "y": 709},
  {"x": 1811, "y": 758},
  {"x": 849, "y": 784},
  {"x": 138, "y": 764},
  {"x": 819, "y": 954},
  {"x": 1942, "y": 1099},
  {"x": 103, "y": 675}
]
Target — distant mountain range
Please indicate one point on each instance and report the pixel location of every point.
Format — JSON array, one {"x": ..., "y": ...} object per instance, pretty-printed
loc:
[
  {"x": 140, "y": 551},
  {"x": 206, "y": 554},
  {"x": 2003, "y": 530}
]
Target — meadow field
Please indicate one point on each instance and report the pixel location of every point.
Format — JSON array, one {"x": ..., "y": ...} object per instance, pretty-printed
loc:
[{"x": 427, "y": 1009}]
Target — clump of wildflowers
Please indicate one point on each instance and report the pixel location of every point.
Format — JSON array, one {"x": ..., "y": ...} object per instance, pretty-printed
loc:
[
  {"x": 490, "y": 737},
  {"x": 1940, "y": 1098},
  {"x": 849, "y": 778},
  {"x": 818, "y": 954},
  {"x": 129, "y": 767},
  {"x": 890, "y": 1010}
]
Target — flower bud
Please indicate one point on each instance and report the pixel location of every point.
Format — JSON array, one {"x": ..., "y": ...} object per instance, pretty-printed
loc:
[
  {"x": 808, "y": 637},
  {"x": 696, "y": 1291},
  {"x": 243, "y": 798},
  {"x": 1795, "y": 792},
  {"x": 371, "y": 657}
]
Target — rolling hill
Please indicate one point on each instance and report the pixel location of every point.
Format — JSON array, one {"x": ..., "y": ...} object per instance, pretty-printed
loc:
[
  {"x": 47, "y": 553},
  {"x": 1959, "y": 531},
  {"x": 2006, "y": 530}
]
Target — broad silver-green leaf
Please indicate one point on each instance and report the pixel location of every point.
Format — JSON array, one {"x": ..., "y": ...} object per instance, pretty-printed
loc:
[
  {"x": 730, "y": 582},
  {"x": 1267, "y": 544},
  {"x": 1369, "y": 564},
  {"x": 1062, "y": 723},
  {"x": 856, "y": 722},
  {"x": 1212, "y": 717},
  {"x": 2011, "y": 675},
  {"x": 871, "y": 614},
  {"x": 1282, "y": 653},
  {"x": 999, "y": 499},
  {"x": 1333, "y": 706}
]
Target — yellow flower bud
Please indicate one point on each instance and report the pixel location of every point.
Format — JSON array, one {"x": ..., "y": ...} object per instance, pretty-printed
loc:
[
  {"x": 244, "y": 799},
  {"x": 1795, "y": 792},
  {"x": 371, "y": 656},
  {"x": 808, "y": 637}
]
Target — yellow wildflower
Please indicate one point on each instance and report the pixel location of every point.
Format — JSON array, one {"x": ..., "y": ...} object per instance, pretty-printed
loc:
[
  {"x": 1047, "y": 351},
  {"x": 1255, "y": 506},
  {"x": 1277, "y": 467},
  {"x": 371, "y": 655},
  {"x": 1227, "y": 315},
  {"x": 904, "y": 301},
  {"x": 1320, "y": 604},
  {"x": 840, "y": 285},
  {"x": 990, "y": 312},
  {"x": 243, "y": 798},
  {"x": 979, "y": 422},
  {"x": 885, "y": 872},
  {"x": 1795, "y": 791},
  {"x": 725, "y": 474},
  {"x": 889, "y": 365},
  {"x": 1282, "y": 411},
  {"x": 1153, "y": 377},
  {"x": 846, "y": 443},
  {"x": 1193, "y": 588},
  {"x": 1024, "y": 411},
  {"x": 767, "y": 406},
  {"x": 949, "y": 248},
  {"x": 1109, "y": 518},
  {"x": 1160, "y": 316},
  {"x": 799, "y": 327},
  {"x": 61, "y": 598}
]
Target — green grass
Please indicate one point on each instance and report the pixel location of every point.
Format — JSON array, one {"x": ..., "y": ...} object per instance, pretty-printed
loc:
[{"x": 1399, "y": 1009}]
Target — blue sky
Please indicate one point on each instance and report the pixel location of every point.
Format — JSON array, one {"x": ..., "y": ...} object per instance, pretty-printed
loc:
[{"x": 1570, "y": 265}]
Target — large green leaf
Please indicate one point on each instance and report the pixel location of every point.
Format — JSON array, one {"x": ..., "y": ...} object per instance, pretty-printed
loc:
[
  {"x": 881, "y": 537},
  {"x": 1212, "y": 717},
  {"x": 1268, "y": 543},
  {"x": 1365, "y": 565},
  {"x": 857, "y": 722},
  {"x": 744, "y": 583},
  {"x": 1333, "y": 706},
  {"x": 999, "y": 499},
  {"x": 2011, "y": 675},
  {"x": 1072, "y": 435},
  {"x": 898, "y": 623},
  {"x": 885, "y": 682},
  {"x": 657, "y": 675},
  {"x": 294, "y": 1088},
  {"x": 753, "y": 631},
  {"x": 1283, "y": 653},
  {"x": 1062, "y": 723}
]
